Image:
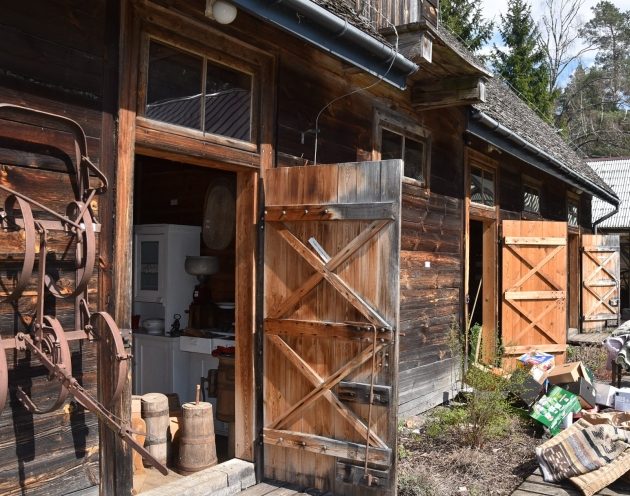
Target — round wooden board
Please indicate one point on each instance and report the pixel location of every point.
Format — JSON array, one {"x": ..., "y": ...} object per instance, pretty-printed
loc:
[{"x": 219, "y": 218}]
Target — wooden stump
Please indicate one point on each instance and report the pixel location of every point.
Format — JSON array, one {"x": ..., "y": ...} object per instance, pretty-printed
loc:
[{"x": 197, "y": 448}]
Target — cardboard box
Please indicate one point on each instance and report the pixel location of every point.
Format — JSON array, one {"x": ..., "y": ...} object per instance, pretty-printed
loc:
[
  {"x": 551, "y": 410},
  {"x": 584, "y": 390},
  {"x": 544, "y": 361},
  {"x": 568, "y": 372},
  {"x": 532, "y": 390},
  {"x": 622, "y": 400},
  {"x": 605, "y": 394}
]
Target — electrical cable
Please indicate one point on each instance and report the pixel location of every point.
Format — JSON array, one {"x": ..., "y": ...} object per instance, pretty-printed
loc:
[{"x": 358, "y": 90}]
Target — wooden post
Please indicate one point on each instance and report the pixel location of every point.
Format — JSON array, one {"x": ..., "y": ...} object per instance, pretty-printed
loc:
[{"x": 116, "y": 475}]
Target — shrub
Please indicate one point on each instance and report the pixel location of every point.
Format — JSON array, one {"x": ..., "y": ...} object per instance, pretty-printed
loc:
[{"x": 485, "y": 414}]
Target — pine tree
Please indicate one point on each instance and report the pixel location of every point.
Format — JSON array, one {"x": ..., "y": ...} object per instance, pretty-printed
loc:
[
  {"x": 464, "y": 19},
  {"x": 522, "y": 63}
]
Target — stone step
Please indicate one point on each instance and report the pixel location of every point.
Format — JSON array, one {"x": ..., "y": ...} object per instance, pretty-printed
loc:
[{"x": 225, "y": 479}]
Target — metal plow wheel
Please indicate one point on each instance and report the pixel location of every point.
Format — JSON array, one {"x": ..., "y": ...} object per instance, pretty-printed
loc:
[
  {"x": 54, "y": 347},
  {"x": 12, "y": 222},
  {"x": 104, "y": 329}
]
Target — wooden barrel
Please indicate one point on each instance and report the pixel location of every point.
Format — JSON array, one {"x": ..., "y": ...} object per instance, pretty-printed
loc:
[
  {"x": 225, "y": 389},
  {"x": 155, "y": 415},
  {"x": 197, "y": 448}
]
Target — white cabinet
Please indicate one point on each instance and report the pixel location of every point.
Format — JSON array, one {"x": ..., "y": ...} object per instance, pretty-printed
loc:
[
  {"x": 159, "y": 365},
  {"x": 161, "y": 286}
]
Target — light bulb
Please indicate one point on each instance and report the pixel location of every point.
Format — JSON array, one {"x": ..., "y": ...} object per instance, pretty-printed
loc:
[{"x": 223, "y": 12}]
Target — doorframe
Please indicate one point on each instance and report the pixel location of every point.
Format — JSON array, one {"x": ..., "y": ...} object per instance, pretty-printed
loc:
[
  {"x": 489, "y": 216},
  {"x": 116, "y": 475}
]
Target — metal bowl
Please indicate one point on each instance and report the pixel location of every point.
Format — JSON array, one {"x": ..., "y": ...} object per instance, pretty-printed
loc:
[
  {"x": 153, "y": 326},
  {"x": 201, "y": 266}
]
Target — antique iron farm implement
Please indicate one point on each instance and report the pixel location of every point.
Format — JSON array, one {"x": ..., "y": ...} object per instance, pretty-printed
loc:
[{"x": 46, "y": 339}]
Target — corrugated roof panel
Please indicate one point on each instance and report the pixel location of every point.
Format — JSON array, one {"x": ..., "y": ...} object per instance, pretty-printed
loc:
[{"x": 616, "y": 173}]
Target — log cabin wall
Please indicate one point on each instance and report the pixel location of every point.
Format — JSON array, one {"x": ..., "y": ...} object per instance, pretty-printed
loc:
[{"x": 59, "y": 57}]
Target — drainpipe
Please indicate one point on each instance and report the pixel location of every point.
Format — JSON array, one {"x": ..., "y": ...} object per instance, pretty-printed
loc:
[
  {"x": 336, "y": 26},
  {"x": 603, "y": 218},
  {"x": 494, "y": 125}
]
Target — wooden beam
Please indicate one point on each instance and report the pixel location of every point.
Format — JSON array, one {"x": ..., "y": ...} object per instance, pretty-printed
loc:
[
  {"x": 358, "y": 211},
  {"x": 448, "y": 92},
  {"x": 547, "y": 348},
  {"x": 245, "y": 275},
  {"x": 324, "y": 330},
  {"x": 534, "y": 295},
  {"x": 535, "y": 241},
  {"x": 327, "y": 446}
]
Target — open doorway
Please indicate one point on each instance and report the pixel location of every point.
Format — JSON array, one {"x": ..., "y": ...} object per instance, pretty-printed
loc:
[
  {"x": 184, "y": 299},
  {"x": 482, "y": 303}
]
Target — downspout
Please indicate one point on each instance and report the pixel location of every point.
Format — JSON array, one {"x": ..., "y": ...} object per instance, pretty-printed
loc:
[
  {"x": 378, "y": 52},
  {"x": 603, "y": 218},
  {"x": 343, "y": 29},
  {"x": 493, "y": 125}
]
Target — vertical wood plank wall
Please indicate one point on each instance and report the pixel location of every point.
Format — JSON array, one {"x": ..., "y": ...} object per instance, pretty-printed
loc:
[{"x": 53, "y": 60}]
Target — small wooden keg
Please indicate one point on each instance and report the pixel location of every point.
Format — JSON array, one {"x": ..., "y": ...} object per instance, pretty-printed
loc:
[
  {"x": 225, "y": 389},
  {"x": 155, "y": 415},
  {"x": 197, "y": 448}
]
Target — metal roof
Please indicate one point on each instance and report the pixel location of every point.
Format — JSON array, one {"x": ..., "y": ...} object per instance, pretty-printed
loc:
[{"x": 616, "y": 173}]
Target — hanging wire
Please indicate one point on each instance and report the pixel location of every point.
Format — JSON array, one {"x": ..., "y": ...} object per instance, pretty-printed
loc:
[{"x": 365, "y": 88}]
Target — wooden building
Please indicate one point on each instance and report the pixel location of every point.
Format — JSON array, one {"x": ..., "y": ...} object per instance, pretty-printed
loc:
[{"x": 346, "y": 278}]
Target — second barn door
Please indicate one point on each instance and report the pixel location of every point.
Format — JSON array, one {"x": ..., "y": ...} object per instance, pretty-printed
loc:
[
  {"x": 534, "y": 284},
  {"x": 600, "y": 281},
  {"x": 332, "y": 241}
]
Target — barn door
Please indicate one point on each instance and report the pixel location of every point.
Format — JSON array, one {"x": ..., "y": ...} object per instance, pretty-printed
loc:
[
  {"x": 534, "y": 313},
  {"x": 332, "y": 241},
  {"x": 600, "y": 281}
]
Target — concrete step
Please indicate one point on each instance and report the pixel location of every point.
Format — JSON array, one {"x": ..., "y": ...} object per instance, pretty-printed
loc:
[{"x": 225, "y": 479}]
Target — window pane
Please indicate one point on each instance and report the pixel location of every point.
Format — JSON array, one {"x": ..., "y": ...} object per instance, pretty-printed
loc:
[
  {"x": 476, "y": 185},
  {"x": 149, "y": 262},
  {"x": 488, "y": 188},
  {"x": 414, "y": 159},
  {"x": 228, "y": 103},
  {"x": 174, "y": 86},
  {"x": 572, "y": 214},
  {"x": 391, "y": 145},
  {"x": 531, "y": 199}
]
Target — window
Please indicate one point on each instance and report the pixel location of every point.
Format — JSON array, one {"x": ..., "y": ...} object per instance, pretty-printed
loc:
[
  {"x": 397, "y": 136},
  {"x": 192, "y": 91},
  {"x": 572, "y": 212},
  {"x": 531, "y": 199},
  {"x": 481, "y": 186}
]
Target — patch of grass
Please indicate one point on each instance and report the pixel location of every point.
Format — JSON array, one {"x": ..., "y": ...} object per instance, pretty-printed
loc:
[{"x": 415, "y": 484}]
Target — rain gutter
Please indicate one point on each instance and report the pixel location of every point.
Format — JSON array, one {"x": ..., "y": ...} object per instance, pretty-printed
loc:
[
  {"x": 541, "y": 158},
  {"x": 335, "y": 35}
]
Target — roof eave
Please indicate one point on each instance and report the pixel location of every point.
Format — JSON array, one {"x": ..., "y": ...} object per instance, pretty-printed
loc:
[
  {"x": 489, "y": 130},
  {"x": 329, "y": 32}
]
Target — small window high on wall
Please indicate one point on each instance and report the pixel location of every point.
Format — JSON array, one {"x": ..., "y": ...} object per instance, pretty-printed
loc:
[
  {"x": 573, "y": 212},
  {"x": 412, "y": 151},
  {"x": 190, "y": 90},
  {"x": 482, "y": 186},
  {"x": 531, "y": 199}
]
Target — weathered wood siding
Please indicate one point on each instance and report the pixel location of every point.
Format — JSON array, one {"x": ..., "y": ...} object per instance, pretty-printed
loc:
[
  {"x": 53, "y": 60},
  {"x": 431, "y": 296}
]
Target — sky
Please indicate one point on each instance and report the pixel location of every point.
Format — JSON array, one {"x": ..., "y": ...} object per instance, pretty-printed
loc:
[{"x": 493, "y": 9}]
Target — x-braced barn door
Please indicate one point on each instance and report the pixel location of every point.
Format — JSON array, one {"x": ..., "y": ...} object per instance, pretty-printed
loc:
[
  {"x": 332, "y": 241},
  {"x": 534, "y": 285},
  {"x": 600, "y": 281}
]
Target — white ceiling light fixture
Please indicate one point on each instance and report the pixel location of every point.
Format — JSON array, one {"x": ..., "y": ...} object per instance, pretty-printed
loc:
[{"x": 221, "y": 11}]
